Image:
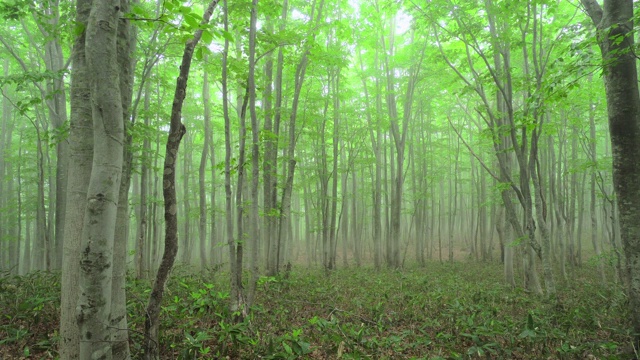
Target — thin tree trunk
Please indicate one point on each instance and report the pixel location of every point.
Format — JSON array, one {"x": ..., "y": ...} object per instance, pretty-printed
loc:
[
  {"x": 376, "y": 139},
  {"x": 299, "y": 81},
  {"x": 43, "y": 244},
  {"x": 6, "y": 117},
  {"x": 176, "y": 132},
  {"x": 269, "y": 165},
  {"x": 592, "y": 207},
  {"x": 141, "y": 260},
  {"x": 357, "y": 244},
  {"x": 255, "y": 155},
  {"x": 185, "y": 234},
  {"x": 202, "y": 224},
  {"x": 271, "y": 159},
  {"x": 19, "y": 208},
  {"x": 235, "y": 248},
  {"x": 125, "y": 48},
  {"x": 549, "y": 279},
  {"x": 334, "y": 171},
  {"x": 344, "y": 208}
]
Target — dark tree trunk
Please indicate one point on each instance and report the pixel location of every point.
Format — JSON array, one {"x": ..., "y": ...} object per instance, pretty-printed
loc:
[
  {"x": 176, "y": 132},
  {"x": 623, "y": 106}
]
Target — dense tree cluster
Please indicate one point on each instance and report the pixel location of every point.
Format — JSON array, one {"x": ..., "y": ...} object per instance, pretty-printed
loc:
[{"x": 328, "y": 132}]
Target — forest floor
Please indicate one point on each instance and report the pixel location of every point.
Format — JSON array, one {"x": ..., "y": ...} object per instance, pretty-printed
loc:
[{"x": 442, "y": 311}]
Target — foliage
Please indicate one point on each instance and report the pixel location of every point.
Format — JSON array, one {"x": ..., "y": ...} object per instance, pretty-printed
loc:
[
  {"x": 29, "y": 322},
  {"x": 442, "y": 311}
]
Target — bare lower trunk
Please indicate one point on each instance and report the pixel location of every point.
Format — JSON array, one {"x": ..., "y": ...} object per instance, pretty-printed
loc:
[
  {"x": 96, "y": 264},
  {"x": 176, "y": 132},
  {"x": 235, "y": 253},
  {"x": 120, "y": 331},
  {"x": 141, "y": 262},
  {"x": 549, "y": 279},
  {"x": 202, "y": 224},
  {"x": 623, "y": 106},
  {"x": 255, "y": 154},
  {"x": 81, "y": 155}
]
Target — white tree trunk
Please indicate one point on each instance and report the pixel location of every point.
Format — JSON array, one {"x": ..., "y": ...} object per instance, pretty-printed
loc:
[
  {"x": 81, "y": 153},
  {"x": 96, "y": 265}
]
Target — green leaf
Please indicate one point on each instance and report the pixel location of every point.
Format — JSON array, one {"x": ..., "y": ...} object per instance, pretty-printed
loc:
[
  {"x": 227, "y": 35},
  {"x": 207, "y": 37},
  {"x": 287, "y": 348},
  {"x": 169, "y": 6},
  {"x": 190, "y": 338},
  {"x": 192, "y": 20}
]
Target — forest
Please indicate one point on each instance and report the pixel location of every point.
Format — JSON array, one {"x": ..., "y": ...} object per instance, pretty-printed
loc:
[{"x": 319, "y": 179}]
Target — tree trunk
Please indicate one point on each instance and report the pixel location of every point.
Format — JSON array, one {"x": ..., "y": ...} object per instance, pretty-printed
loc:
[
  {"x": 540, "y": 207},
  {"x": 141, "y": 255},
  {"x": 271, "y": 159},
  {"x": 592, "y": 208},
  {"x": 120, "y": 333},
  {"x": 58, "y": 114},
  {"x": 202, "y": 224},
  {"x": 185, "y": 234},
  {"x": 623, "y": 106},
  {"x": 376, "y": 137},
  {"x": 269, "y": 165},
  {"x": 19, "y": 209},
  {"x": 235, "y": 248},
  {"x": 6, "y": 117},
  {"x": 81, "y": 155},
  {"x": 344, "y": 209},
  {"x": 357, "y": 243},
  {"x": 42, "y": 260},
  {"x": 98, "y": 233},
  {"x": 301, "y": 69},
  {"x": 334, "y": 171},
  {"x": 176, "y": 132},
  {"x": 255, "y": 156}
]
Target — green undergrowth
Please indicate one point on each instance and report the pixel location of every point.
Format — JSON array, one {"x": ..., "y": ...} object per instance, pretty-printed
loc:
[{"x": 442, "y": 311}]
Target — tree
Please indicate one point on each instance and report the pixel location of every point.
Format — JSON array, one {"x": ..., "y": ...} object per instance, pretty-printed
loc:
[
  {"x": 98, "y": 233},
  {"x": 255, "y": 154},
  {"x": 176, "y": 132},
  {"x": 81, "y": 153},
  {"x": 614, "y": 23},
  {"x": 202, "y": 224}
]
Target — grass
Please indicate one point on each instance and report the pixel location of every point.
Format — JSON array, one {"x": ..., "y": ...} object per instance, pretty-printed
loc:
[{"x": 442, "y": 311}]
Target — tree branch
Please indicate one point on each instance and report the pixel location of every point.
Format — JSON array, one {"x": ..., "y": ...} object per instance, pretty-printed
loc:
[{"x": 593, "y": 9}]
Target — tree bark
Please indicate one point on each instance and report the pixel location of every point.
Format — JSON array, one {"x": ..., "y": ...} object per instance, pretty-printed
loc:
[
  {"x": 81, "y": 155},
  {"x": 57, "y": 105},
  {"x": 334, "y": 180},
  {"x": 301, "y": 69},
  {"x": 125, "y": 48},
  {"x": 185, "y": 234},
  {"x": 98, "y": 234},
  {"x": 202, "y": 224},
  {"x": 255, "y": 155},
  {"x": 235, "y": 250},
  {"x": 375, "y": 136},
  {"x": 614, "y": 22},
  {"x": 6, "y": 117},
  {"x": 141, "y": 255},
  {"x": 592, "y": 207},
  {"x": 176, "y": 132}
]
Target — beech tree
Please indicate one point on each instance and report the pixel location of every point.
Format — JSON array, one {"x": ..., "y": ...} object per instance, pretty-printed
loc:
[
  {"x": 448, "y": 130},
  {"x": 98, "y": 233},
  {"x": 614, "y": 23},
  {"x": 176, "y": 131}
]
